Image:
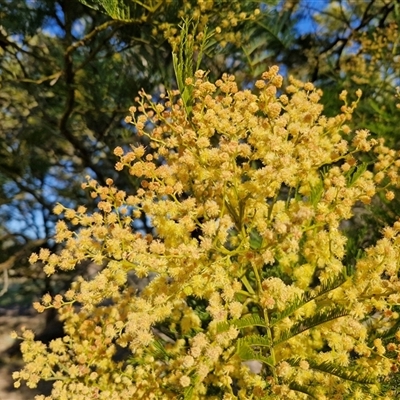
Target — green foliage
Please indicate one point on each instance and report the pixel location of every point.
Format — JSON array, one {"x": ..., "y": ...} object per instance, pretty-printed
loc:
[
  {"x": 184, "y": 58},
  {"x": 245, "y": 349},
  {"x": 244, "y": 322},
  {"x": 125, "y": 10}
]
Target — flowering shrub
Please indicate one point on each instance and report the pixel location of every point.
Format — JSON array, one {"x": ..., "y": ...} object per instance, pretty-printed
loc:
[{"x": 246, "y": 192}]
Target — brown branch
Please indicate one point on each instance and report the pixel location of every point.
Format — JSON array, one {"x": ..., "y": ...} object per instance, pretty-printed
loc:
[
  {"x": 53, "y": 77},
  {"x": 365, "y": 18},
  {"x": 91, "y": 35},
  {"x": 96, "y": 50},
  {"x": 385, "y": 15},
  {"x": 341, "y": 42}
]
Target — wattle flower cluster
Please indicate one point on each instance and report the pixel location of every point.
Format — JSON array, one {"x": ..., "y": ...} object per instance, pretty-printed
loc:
[{"x": 247, "y": 192}]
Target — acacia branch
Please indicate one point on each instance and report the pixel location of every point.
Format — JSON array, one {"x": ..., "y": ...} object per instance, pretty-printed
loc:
[
  {"x": 96, "y": 50},
  {"x": 71, "y": 48},
  {"x": 91, "y": 35}
]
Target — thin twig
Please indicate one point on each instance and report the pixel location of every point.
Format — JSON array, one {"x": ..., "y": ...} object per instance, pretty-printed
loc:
[{"x": 5, "y": 286}]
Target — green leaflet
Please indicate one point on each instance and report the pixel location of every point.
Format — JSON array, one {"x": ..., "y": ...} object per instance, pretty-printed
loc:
[
  {"x": 316, "y": 193},
  {"x": 355, "y": 172},
  {"x": 158, "y": 350},
  {"x": 188, "y": 393},
  {"x": 245, "y": 347},
  {"x": 256, "y": 239}
]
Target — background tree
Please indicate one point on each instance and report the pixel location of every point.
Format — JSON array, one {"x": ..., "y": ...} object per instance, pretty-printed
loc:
[
  {"x": 58, "y": 70},
  {"x": 349, "y": 46}
]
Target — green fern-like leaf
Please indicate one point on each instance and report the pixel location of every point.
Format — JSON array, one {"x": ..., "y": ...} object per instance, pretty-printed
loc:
[
  {"x": 301, "y": 301},
  {"x": 95, "y": 4},
  {"x": 355, "y": 375},
  {"x": 316, "y": 193},
  {"x": 386, "y": 336},
  {"x": 256, "y": 240},
  {"x": 255, "y": 340},
  {"x": 331, "y": 284},
  {"x": 158, "y": 351},
  {"x": 125, "y": 10},
  {"x": 188, "y": 394},
  {"x": 302, "y": 389},
  {"x": 246, "y": 353},
  {"x": 291, "y": 308},
  {"x": 248, "y": 321},
  {"x": 355, "y": 172},
  {"x": 183, "y": 65},
  {"x": 183, "y": 59},
  {"x": 319, "y": 318}
]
